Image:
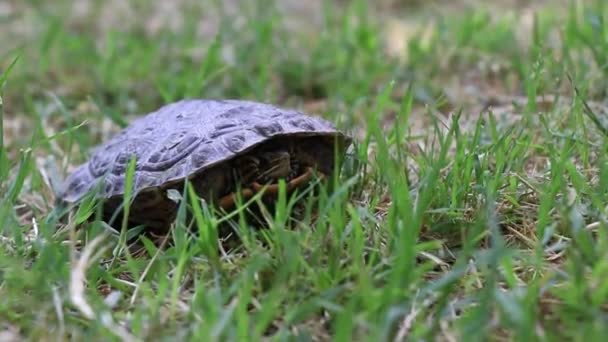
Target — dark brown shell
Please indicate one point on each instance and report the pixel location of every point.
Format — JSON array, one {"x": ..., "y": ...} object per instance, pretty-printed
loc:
[{"x": 185, "y": 138}]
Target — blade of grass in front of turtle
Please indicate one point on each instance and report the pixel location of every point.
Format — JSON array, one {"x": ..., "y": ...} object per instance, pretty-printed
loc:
[
  {"x": 207, "y": 228},
  {"x": 126, "y": 206},
  {"x": 240, "y": 205},
  {"x": 281, "y": 210},
  {"x": 185, "y": 256},
  {"x": 85, "y": 208}
]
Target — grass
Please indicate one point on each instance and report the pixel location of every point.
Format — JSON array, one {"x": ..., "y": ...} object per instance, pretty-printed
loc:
[{"x": 472, "y": 205}]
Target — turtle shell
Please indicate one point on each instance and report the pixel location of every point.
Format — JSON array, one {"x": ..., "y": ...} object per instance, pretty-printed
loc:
[{"x": 185, "y": 138}]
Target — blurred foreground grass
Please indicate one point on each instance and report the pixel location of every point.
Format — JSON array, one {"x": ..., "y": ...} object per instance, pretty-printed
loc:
[{"x": 472, "y": 207}]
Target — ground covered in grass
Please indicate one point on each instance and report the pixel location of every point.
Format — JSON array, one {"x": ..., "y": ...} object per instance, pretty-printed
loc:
[{"x": 472, "y": 206}]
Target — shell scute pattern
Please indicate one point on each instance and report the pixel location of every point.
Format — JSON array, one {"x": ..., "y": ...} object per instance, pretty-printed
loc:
[
  {"x": 108, "y": 184},
  {"x": 276, "y": 113},
  {"x": 175, "y": 148},
  {"x": 146, "y": 180},
  {"x": 115, "y": 183},
  {"x": 268, "y": 128},
  {"x": 204, "y": 155},
  {"x": 136, "y": 148},
  {"x": 186, "y": 137},
  {"x": 123, "y": 158},
  {"x": 234, "y": 113},
  {"x": 179, "y": 170},
  {"x": 223, "y": 128},
  {"x": 234, "y": 142},
  {"x": 82, "y": 182},
  {"x": 99, "y": 165},
  {"x": 302, "y": 123},
  {"x": 102, "y": 161}
]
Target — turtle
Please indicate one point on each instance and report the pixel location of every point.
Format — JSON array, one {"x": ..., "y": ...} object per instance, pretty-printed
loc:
[{"x": 226, "y": 149}]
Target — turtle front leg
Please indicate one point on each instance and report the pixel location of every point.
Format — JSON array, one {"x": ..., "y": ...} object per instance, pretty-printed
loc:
[
  {"x": 272, "y": 190},
  {"x": 297, "y": 182}
]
